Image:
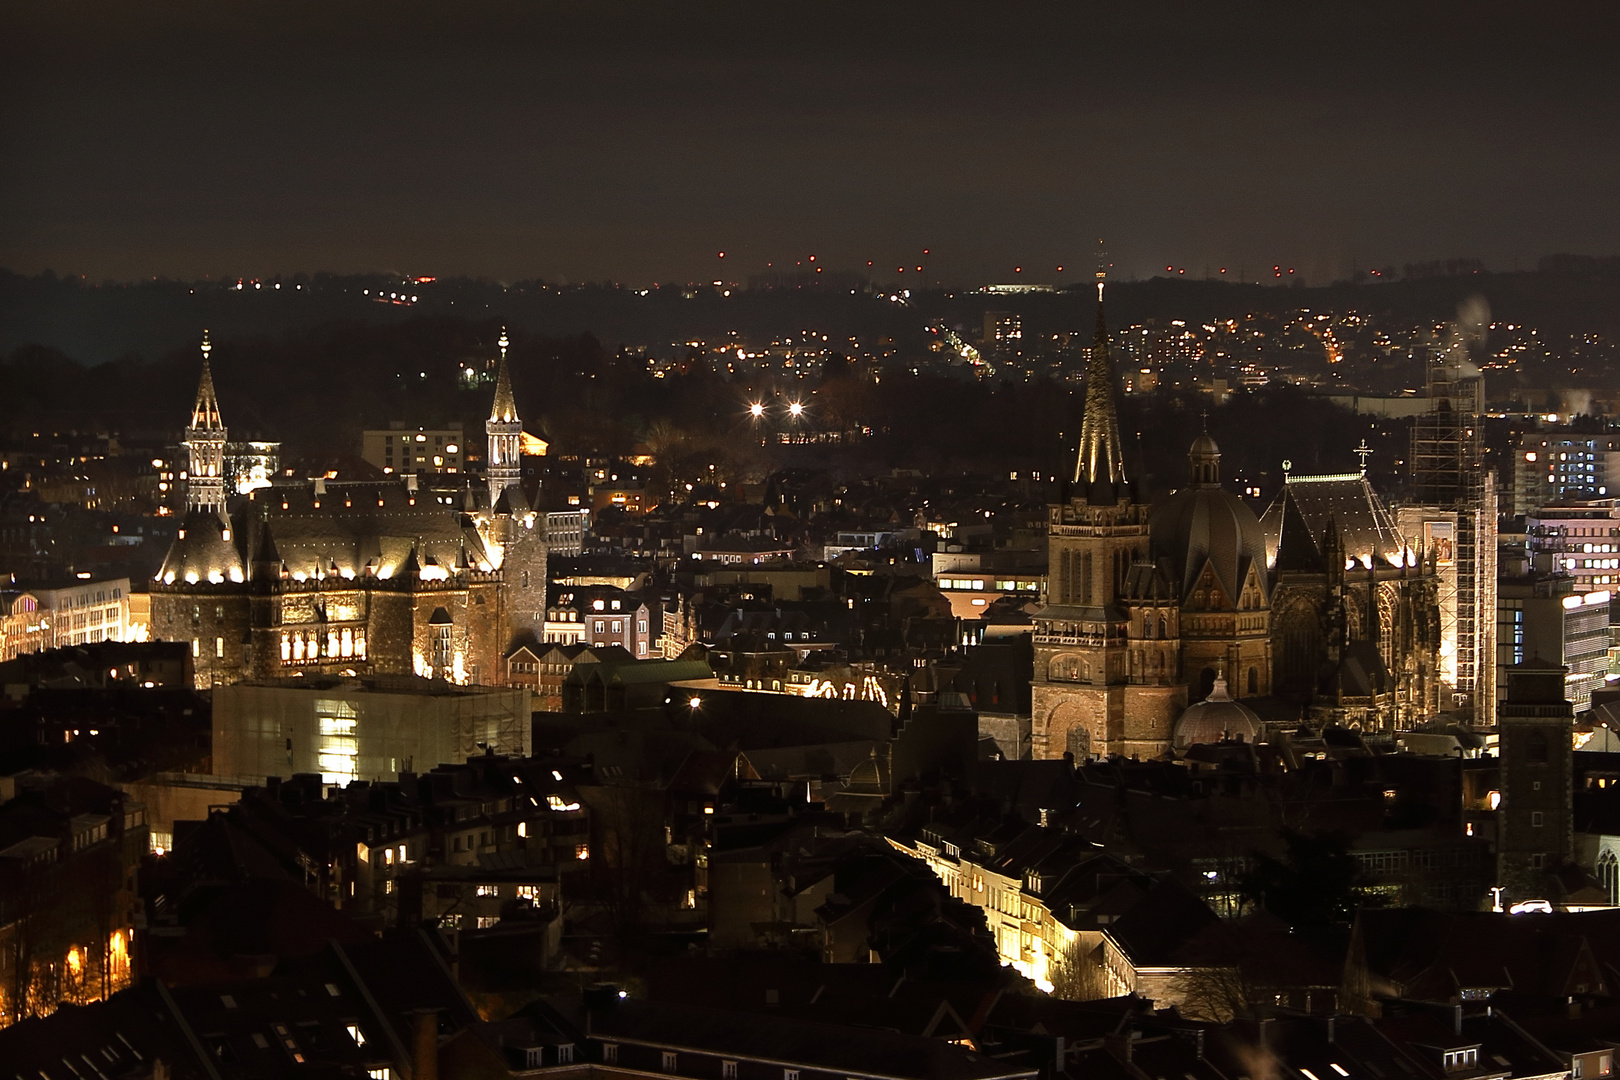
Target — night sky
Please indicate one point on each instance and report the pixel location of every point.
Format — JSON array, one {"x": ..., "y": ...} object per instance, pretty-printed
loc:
[{"x": 634, "y": 141}]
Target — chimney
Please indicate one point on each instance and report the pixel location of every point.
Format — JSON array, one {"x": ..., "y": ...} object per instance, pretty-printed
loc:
[
  {"x": 425, "y": 1044},
  {"x": 1062, "y": 1049},
  {"x": 410, "y": 482},
  {"x": 320, "y": 486},
  {"x": 1332, "y": 1029},
  {"x": 1456, "y": 1019}
]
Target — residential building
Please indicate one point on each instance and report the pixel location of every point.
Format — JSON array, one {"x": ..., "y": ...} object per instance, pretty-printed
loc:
[
  {"x": 70, "y": 850},
  {"x": 402, "y": 449},
  {"x": 1551, "y": 467}
]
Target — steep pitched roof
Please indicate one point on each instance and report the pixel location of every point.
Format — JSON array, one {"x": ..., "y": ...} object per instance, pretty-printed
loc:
[{"x": 1099, "y": 470}]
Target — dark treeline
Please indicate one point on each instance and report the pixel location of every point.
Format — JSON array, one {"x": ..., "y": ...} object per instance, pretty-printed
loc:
[
  {"x": 96, "y": 323},
  {"x": 315, "y": 391}
]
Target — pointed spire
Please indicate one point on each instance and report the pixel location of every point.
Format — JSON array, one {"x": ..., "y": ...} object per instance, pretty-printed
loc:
[
  {"x": 1100, "y": 467},
  {"x": 205, "y": 413},
  {"x": 504, "y": 410},
  {"x": 264, "y": 548}
]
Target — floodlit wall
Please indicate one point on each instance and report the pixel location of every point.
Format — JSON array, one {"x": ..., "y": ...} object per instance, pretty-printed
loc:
[{"x": 348, "y": 732}]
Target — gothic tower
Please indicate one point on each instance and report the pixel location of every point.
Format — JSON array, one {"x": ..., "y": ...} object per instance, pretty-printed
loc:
[
  {"x": 504, "y": 467},
  {"x": 514, "y": 528},
  {"x": 205, "y": 441},
  {"x": 1096, "y": 690}
]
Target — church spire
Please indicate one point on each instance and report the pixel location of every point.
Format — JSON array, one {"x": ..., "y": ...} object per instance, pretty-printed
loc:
[{"x": 1099, "y": 472}]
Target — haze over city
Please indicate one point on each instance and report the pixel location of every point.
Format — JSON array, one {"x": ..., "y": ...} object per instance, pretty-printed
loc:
[{"x": 635, "y": 141}]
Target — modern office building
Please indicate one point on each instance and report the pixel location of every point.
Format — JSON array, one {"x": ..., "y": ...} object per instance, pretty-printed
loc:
[
  {"x": 1541, "y": 617},
  {"x": 362, "y": 729}
]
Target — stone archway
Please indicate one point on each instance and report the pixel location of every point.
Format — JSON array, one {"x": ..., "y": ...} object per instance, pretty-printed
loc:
[{"x": 1072, "y": 727}]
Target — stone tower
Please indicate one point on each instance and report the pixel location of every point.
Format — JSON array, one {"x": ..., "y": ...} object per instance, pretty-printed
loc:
[
  {"x": 205, "y": 441},
  {"x": 515, "y": 528},
  {"x": 1534, "y": 820},
  {"x": 1107, "y": 678},
  {"x": 504, "y": 465}
]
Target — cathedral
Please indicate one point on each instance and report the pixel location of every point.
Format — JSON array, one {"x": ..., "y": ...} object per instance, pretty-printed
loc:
[
  {"x": 353, "y": 577},
  {"x": 1149, "y": 608}
]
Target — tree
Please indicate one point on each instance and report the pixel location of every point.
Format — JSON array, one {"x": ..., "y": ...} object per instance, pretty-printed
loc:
[{"x": 1311, "y": 886}]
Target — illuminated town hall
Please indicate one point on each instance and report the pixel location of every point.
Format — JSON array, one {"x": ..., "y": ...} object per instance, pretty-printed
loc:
[{"x": 363, "y": 577}]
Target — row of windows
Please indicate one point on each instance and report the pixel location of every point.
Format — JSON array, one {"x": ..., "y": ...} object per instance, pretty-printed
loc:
[{"x": 670, "y": 1062}]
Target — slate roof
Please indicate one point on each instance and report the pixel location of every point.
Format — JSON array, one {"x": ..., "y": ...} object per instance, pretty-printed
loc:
[{"x": 834, "y": 1048}]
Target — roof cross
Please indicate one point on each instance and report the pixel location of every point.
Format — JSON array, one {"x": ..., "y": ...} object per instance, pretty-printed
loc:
[{"x": 1362, "y": 451}]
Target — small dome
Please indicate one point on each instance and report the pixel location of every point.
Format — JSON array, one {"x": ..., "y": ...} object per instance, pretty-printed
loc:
[
  {"x": 1216, "y": 719},
  {"x": 1204, "y": 446},
  {"x": 870, "y": 777}
]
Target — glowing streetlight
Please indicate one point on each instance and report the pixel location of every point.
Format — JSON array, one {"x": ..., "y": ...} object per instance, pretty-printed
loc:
[
  {"x": 796, "y": 409},
  {"x": 756, "y": 410},
  {"x": 694, "y": 702}
]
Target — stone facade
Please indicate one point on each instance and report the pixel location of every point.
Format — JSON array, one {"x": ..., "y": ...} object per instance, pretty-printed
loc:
[
  {"x": 355, "y": 578},
  {"x": 1535, "y": 832}
]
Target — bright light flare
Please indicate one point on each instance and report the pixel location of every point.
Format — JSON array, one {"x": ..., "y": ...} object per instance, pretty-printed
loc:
[
  {"x": 756, "y": 410},
  {"x": 796, "y": 409}
]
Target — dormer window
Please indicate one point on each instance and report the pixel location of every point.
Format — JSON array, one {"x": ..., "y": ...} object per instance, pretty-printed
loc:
[{"x": 1461, "y": 1059}]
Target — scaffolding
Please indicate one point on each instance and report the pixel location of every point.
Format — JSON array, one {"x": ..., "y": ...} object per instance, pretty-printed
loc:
[{"x": 1448, "y": 472}]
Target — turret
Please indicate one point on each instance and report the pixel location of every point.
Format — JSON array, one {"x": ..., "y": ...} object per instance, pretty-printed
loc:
[
  {"x": 205, "y": 440},
  {"x": 504, "y": 465},
  {"x": 1205, "y": 459}
]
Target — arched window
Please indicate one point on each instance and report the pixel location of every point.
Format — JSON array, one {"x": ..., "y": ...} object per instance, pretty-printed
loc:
[
  {"x": 1078, "y": 743},
  {"x": 1608, "y": 874},
  {"x": 1163, "y": 628}
]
